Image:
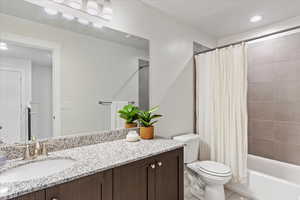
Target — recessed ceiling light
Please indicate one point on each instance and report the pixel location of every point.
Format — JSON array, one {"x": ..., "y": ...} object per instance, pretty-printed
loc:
[
  {"x": 83, "y": 21},
  {"x": 255, "y": 18},
  {"x": 3, "y": 46},
  {"x": 51, "y": 11},
  {"x": 68, "y": 16}
]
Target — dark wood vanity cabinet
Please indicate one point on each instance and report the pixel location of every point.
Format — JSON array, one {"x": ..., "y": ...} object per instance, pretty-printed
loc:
[
  {"x": 169, "y": 176},
  {"x": 95, "y": 187},
  {"x": 155, "y": 178},
  {"x": 40, "y": 195}
]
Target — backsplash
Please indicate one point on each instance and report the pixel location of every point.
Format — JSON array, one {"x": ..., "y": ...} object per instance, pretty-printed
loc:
[{"x": 66, "y": 142}]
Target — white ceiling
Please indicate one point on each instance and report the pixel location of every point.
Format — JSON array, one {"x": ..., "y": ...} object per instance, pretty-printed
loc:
[
  {"x": 220, "y": 18},
  {"x": 38, "y": 57}
]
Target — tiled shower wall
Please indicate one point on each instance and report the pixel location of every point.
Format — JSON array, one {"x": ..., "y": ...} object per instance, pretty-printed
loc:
[{"x": 274, "y": 98}]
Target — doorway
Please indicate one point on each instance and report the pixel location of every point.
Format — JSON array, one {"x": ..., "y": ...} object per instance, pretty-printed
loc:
[{"x": 11, "y": 116}]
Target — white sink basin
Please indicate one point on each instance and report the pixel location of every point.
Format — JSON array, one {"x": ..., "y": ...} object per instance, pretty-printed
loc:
[{"x": 35, "y": 170}]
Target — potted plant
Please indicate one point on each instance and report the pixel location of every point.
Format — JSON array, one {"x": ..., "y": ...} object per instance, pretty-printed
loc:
[
  {"x": 146, "y": 122},
  {"x": 130, "y": 114}
]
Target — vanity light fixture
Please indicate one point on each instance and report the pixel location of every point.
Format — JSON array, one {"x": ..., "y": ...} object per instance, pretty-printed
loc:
[
  {"x": 83, "y": 21},
  {"x": 51, "y": 11},
  {"x": 68, "y": 16},
  {"x": 92, "y": 7},
  {"x": 77, "y": 4},
  {"x": 3, "y": 46},
  {"x": 255, "y": 18},
  {"x": 90, "y": 10}
]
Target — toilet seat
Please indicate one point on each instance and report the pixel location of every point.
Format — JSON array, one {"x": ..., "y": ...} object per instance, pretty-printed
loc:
[{"x": 211, "y": 168}]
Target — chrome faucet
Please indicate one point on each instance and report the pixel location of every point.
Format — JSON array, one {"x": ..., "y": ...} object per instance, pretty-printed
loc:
[{"x": 37, "y": 150}]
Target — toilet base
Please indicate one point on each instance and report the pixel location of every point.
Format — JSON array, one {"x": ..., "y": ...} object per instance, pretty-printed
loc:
[{"x": 214, "y": 192}]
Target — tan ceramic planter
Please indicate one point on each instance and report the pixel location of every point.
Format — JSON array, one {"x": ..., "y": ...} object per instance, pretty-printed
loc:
[
  {"x": 147, "y": 132},
  {"x": 131, "y": 125}
]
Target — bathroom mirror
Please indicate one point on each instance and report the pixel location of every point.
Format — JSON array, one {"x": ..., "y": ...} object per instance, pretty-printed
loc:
[{"x": 59, "y": 76}]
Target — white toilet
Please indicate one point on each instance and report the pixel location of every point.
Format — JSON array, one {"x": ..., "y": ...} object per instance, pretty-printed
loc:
[{"x": 213, "y": 174}]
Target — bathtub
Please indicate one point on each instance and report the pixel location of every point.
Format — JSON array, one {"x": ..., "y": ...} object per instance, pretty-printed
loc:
[{"x": 270, "y": 180}]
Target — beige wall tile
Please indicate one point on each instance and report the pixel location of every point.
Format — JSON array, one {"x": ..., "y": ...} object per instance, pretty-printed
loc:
[
  {"x": 261, "y": 129},
  {"x": 261, "y": 110},
  {"x": 287, "y": 133},
  {"x": 264, "y": 148},
  {"x": 287, "y": 153}
]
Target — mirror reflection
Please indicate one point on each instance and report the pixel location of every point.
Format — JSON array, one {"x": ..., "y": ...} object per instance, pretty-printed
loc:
[{"x": 60, "y": 77}]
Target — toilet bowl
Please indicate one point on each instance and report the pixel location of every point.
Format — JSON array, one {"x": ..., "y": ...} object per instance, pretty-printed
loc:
[{"x": 213, "y": 174}]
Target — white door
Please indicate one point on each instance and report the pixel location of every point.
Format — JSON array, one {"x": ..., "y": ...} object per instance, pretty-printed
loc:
[{"x": 10, "y": 105}]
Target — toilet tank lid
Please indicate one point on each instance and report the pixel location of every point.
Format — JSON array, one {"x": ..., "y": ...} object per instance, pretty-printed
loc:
[{"x": 186, "y": 138}]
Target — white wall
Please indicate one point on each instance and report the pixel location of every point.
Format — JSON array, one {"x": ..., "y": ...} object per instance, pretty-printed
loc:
[{"x": 171, "y": 53}]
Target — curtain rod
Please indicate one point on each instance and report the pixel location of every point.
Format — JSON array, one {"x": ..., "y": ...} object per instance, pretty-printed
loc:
[{"x": 249, "y": 40}]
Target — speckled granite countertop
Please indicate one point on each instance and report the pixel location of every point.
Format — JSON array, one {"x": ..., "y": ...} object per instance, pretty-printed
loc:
[{"x": 88, "y": 160}]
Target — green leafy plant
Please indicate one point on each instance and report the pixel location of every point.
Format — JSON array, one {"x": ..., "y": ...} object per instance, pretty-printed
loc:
[
  {"x": 146, "y": 117},
  {"x": 129, "y": 113}
]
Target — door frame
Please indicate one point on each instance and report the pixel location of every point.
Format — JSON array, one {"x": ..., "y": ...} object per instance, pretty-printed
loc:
[
  {"x": 7, "y": 67},
  {"x": 55, "y": 48}
]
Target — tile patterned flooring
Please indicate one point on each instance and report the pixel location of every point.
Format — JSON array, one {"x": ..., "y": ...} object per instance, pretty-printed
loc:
[
  {"x": 229, "y": 196},
  {"x": 194, "y": 188},
  {"x": 234, "y": 196}
]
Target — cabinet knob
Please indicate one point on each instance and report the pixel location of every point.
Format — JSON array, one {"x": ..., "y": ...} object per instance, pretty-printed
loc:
[
  {"x": 152, "y": 166},
  {"x": 159, "y": 164},
  {"x": 54, "y": 198}
]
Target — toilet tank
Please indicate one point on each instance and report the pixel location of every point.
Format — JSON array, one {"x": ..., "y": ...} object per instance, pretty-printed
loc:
[{"x": 191, "y": 148}]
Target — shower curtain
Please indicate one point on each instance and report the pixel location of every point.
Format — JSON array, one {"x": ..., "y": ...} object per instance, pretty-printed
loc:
[{"x": 222, "y": 108}]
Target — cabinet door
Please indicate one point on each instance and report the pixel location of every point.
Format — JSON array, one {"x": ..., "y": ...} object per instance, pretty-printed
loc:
[
  {"x": 40, "y": 195},
  {"x": 169, "y": 176},
  {"x": 135, "y": 181},
  {"x": 95, "y": 187}
]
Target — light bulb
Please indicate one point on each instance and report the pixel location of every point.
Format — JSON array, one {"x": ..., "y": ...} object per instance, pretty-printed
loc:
[
  {"x": 92, "y": 7},
  {"x": 3, "y": 46},
  {"x": 75, "y": 4},
  {"x": 107, "y": 10},
  {"x": 98, "y": 25},
  {"x": 68, "y": 16},
  {"x": 83, "y": 21},
  {"x": 51, "y": 11}
]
